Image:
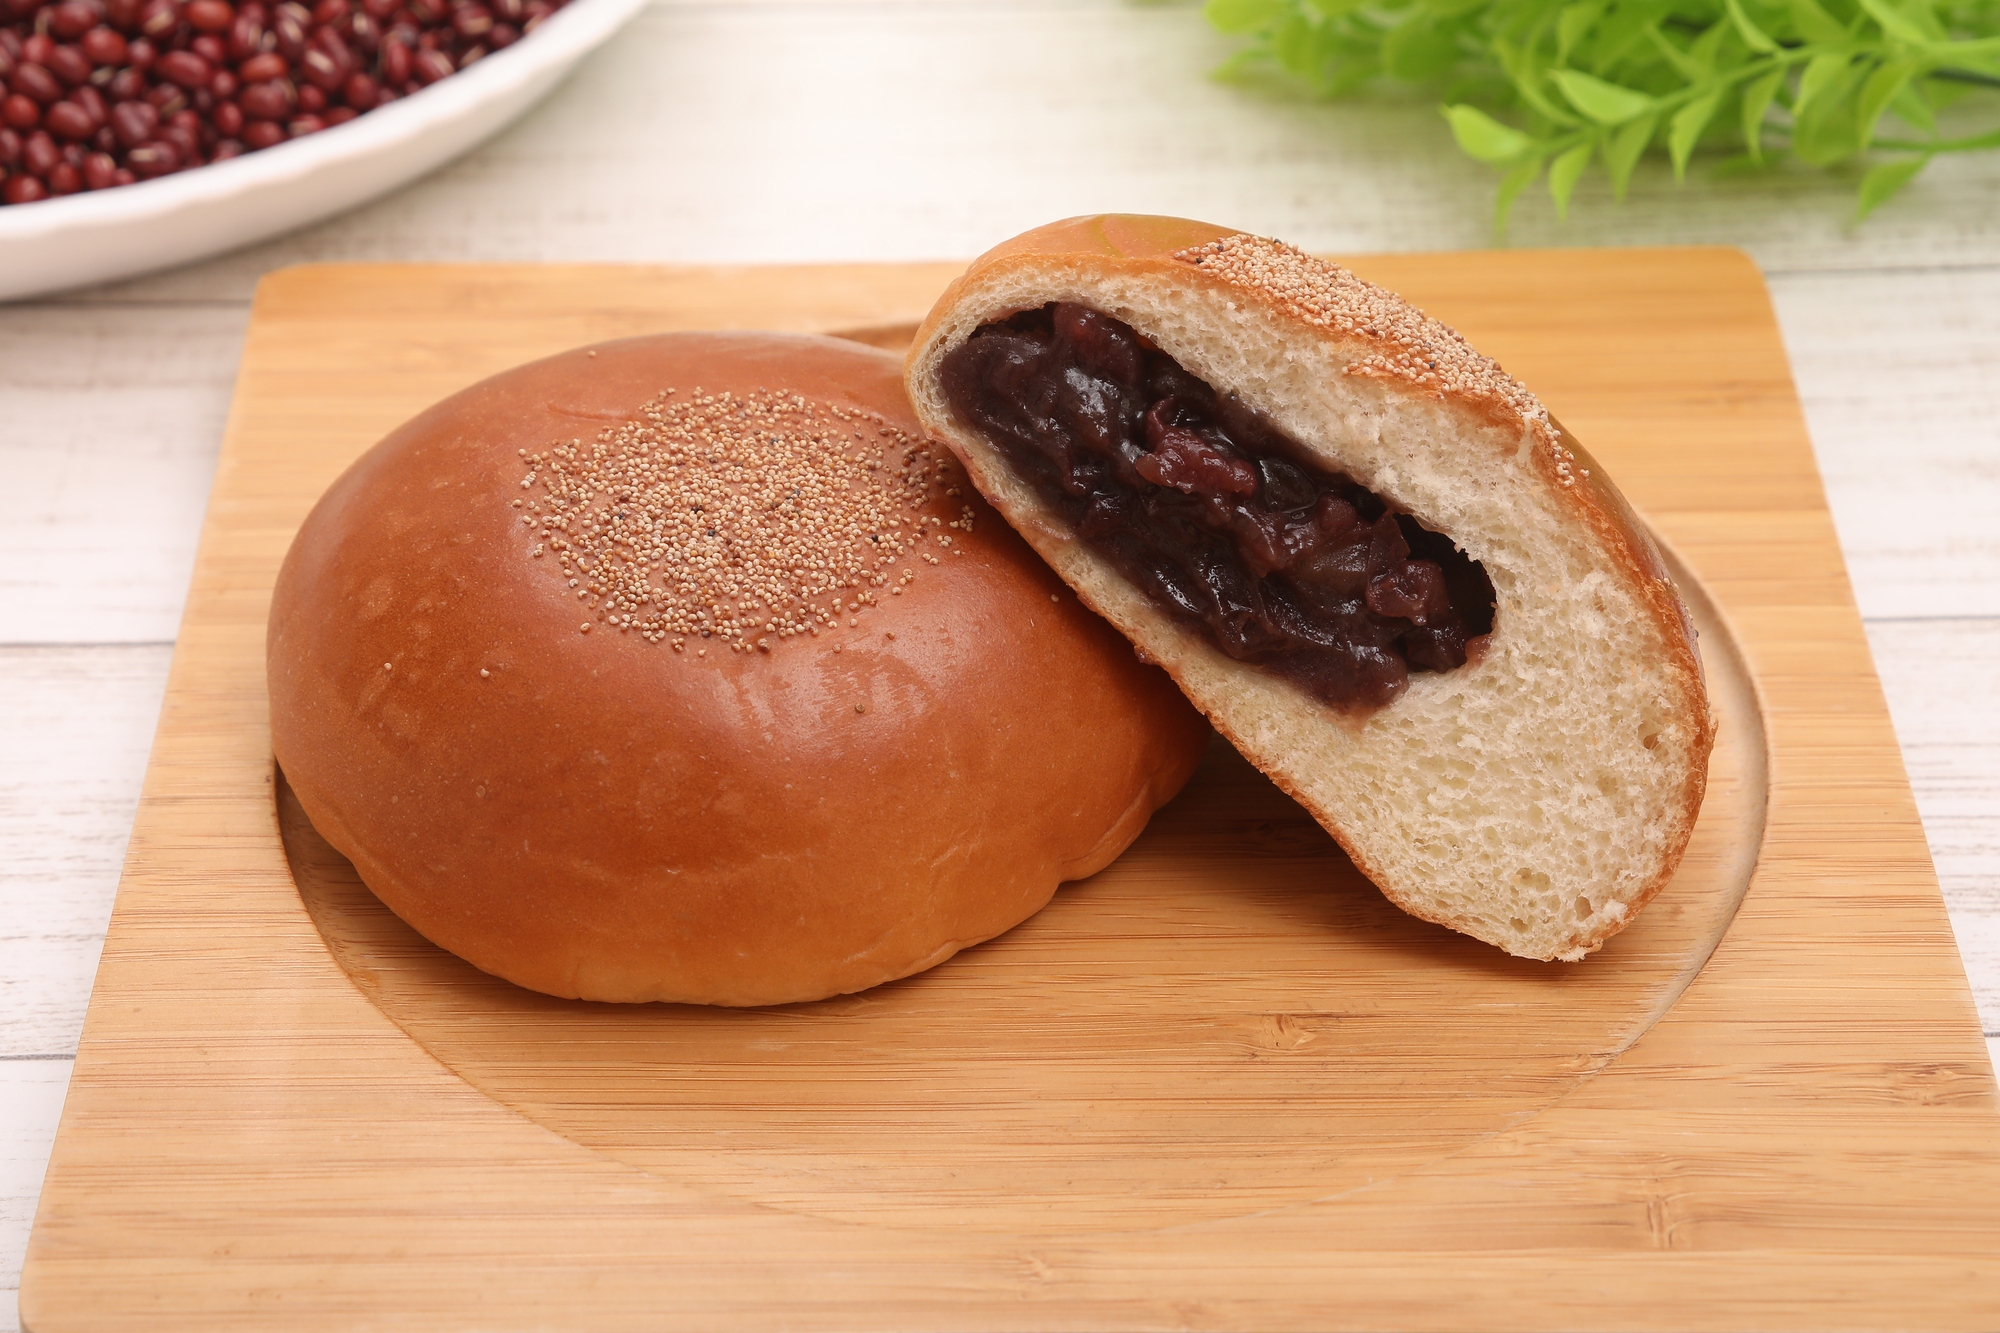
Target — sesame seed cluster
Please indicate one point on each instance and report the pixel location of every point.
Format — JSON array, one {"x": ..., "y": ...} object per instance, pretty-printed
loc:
[
  {"x": 740, "y": 518},
  {"x": 1414, "y": 347}
]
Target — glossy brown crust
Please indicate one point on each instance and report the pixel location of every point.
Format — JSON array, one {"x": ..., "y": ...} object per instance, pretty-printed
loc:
[
  {"x": 595, "y": 815},
  {"x": 1162, "y": 249}
]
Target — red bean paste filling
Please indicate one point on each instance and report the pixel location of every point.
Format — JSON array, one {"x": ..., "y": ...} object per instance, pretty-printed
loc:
[{"x": 1214, "y": 513}]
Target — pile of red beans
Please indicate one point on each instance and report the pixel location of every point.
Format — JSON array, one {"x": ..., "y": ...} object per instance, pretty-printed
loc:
[{"x": 96, "y": 93}]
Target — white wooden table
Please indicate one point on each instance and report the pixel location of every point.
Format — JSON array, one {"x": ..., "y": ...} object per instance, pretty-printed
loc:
[{"x": 759, "y": 131}]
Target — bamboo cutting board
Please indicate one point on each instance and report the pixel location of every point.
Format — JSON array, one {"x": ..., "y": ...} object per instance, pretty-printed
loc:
[{"x": 1219, "y": 1085}]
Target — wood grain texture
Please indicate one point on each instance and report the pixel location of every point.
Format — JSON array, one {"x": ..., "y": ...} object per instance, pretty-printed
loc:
[
  {"x": 87, "y": 714},
  {"x": 1913, "y": 476},
  {"x": 1811, "y": 1136},
  {"x": 1937, "y": 674},
  {"x": 108, "y": 438}
]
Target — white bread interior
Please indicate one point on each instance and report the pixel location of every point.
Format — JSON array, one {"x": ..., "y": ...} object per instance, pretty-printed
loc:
[{"x": 1534, "y": 798}]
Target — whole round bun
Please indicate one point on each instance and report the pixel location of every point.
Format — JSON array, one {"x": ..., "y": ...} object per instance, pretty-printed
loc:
[
  {"x": 1535, "y": 797},
  {"x": 558, "y": 665}
]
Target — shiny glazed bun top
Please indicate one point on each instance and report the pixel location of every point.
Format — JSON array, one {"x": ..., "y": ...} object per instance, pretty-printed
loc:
[{"x": 689, "y": 668}]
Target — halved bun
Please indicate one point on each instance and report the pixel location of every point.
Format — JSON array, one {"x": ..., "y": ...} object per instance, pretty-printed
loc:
[
  {"x": 843, "y": 726},
  {"x": 1535, "y": 797}
]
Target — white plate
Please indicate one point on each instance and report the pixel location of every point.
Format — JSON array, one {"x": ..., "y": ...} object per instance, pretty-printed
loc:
[{"x": 116, "y": 233}]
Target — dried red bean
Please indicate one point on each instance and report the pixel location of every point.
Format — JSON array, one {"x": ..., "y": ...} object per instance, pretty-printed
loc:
[
  {"x": 39, "y": 153},
  {"x": 122, "y": 14},
  {"x": 158, "y": 19},
  {"x": 38, "y": 47},
  {"x": 186, "y": 143},
  {"x": 93, "y": 104},
  {"x": 10, "y": 42},
  {"x": 125, "y": 85},
  {"x": 503, "y": 36},
  {"x": 258, "y": 69},
  {"x": 210, "y": 48},
  {"x": 328, "y": 12},
  {"x": 310, "y": 98},
  {"x": 367, "y": 33},
  {"x": 70, "y": 64},
  {"x": 293, "y": 25},
  {"x": 23, "y": 190},
  {"x": 104, "y": 46},
  {"x": 210, "y": 15},
  {"x": 224, "y": 84},
  {"x": 10, "y": 148},
  {"x": 360, "y": 92},
  {"x": 185, "y": 68},
  {"x": 71, "y": 19},
  {"x": 227, "y": 117},
  {"x": 67, "y": 120},
  {"x": 100, "y": 171},
  {"x": 20, "y": 112},
  {"x": 153, "y": 159},
  {"x": 340, "y": 115},
  {"x": 300, "y": 126},
  {"x": 141, "y": 54},
  {"x": 7, "y": 62},
  {"x": 395, "y": 62},
  {"x": 165, "y": 98},
  {"x": 430, "y": 66},
  {"x": 36, "y": 82},
  {"x": 104, "y": 141},
  {"x": 65, "y": 179},
  {"x": 266, "y": 101},
  {"x": 321, "y": 70},
  {"x": 245, "y": 34},
  {"x": 134, "y": 122},
  {"x": 226, "y": 149},
  {"x": 263, "y": 133},
  {"x": 471, "y": 22}
]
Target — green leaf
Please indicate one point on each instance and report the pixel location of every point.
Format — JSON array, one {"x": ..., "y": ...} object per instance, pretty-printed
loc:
[
  {"x": 1815, "y": 24},
  {"x": 1333, "y": 9},
  {"x": 1706, "y": 45},
  {"x": 1820, "y": 71},
  {"x": 1241, "y": 16},
  {"x": 1754, "y": 37},
  {"x": 1573, "y": 24},
  {"x": 1876, "y": 94},
  {"x": 1526, "y": 75},
  {"x": 1295, "y": 47},
  {"x": 1690, "y": 68},
  {"x": 1896, "y": 24},
  {"x": 1756, "y": 101},
  {"x": 1684, "y": 131},
  {"x": 1824, "y": 132},
  {"x": 1605, "y": 103},
  {"x": 1563, "y": 173},
  {"x": 1417, "y": 50},
  {"x": 1621, "y": 154},
  {"x": 1878, "y": 185},
  {"x": 1511, "y": 185},
  {"x": 1623, "y": 30},
  {"x": 1909, "y": 104},
  {"x": 1484, "y": 138}
]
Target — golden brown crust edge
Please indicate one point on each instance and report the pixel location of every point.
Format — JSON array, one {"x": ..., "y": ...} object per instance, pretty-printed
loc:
[
  {"x": 595, "y": 816},
  {"x": 1397, "y": 346}
]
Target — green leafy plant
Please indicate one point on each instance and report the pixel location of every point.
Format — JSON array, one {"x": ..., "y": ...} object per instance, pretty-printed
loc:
[{"x": 1549, "y": 87}]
